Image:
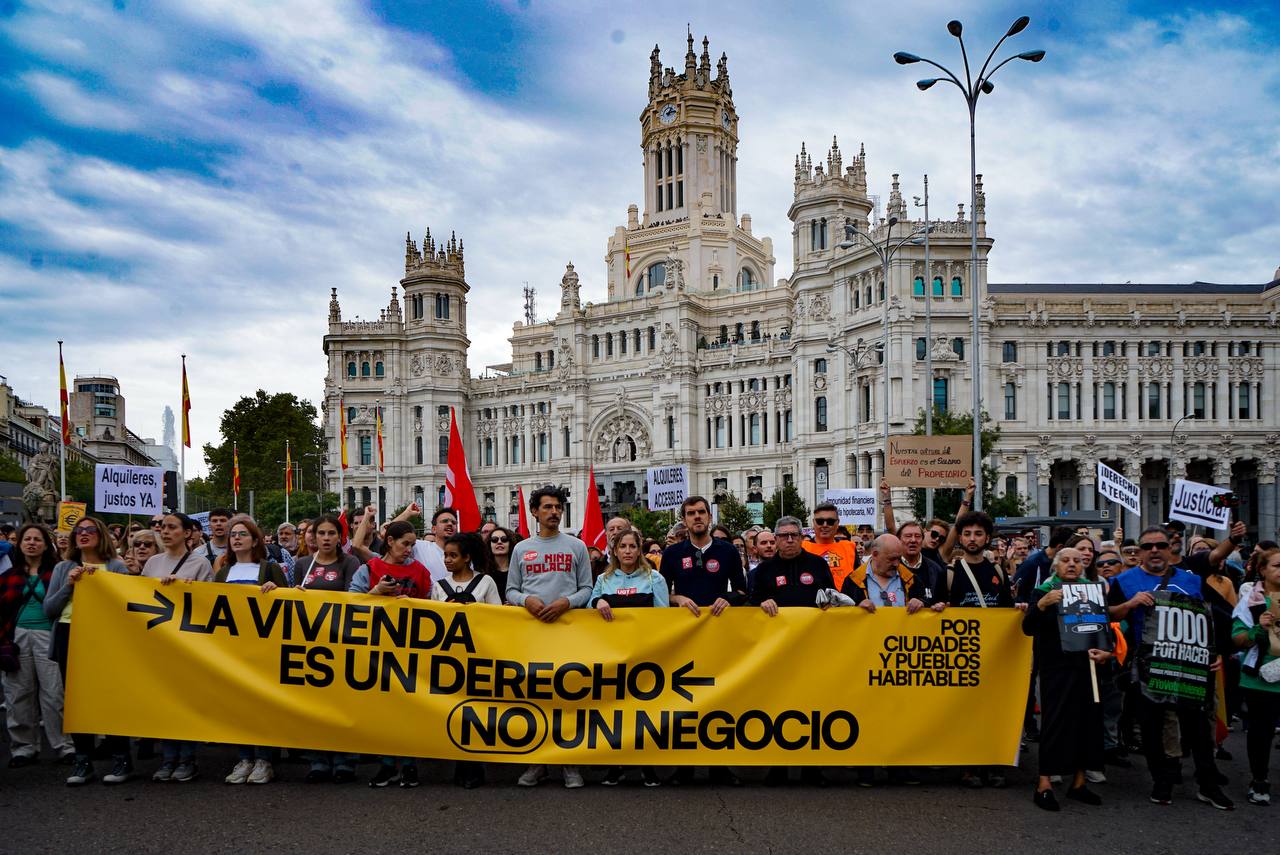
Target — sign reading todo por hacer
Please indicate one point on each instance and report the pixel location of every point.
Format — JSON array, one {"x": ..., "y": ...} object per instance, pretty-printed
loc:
[{"x": 929, "y": 461}]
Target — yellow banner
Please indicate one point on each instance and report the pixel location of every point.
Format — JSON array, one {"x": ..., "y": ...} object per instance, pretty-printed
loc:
[{"x": 360, "y": 673}]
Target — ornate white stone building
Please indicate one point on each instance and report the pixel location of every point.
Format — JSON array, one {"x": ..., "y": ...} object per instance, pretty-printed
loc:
[{"x": 700, "y": 357}]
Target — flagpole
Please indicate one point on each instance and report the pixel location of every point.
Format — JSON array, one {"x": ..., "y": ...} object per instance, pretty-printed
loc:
[
  {"x": 235, "y": 463},
  {"x": 288, "y": 475},
  {"x": 62, "y": 434},
  {"x": 377, "y": 491},
  {"x": 342, "y": 451},
  {"x": 182, "y": 446}
]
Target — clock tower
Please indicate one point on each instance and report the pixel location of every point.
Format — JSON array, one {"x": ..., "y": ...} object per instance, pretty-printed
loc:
[{"x": 690, "y": 138}]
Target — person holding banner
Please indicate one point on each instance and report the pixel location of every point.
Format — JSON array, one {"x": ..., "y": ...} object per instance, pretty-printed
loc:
[
  {"x": 33, "y": 690},
  {"x": 500, "y": 557},
  {"x": 1256, "y": 632},
  {"x": 841, "y": 555},
  {"x": 1071, "y": 712},
  {"x": 628, "y": 582},
  {"x": 550, "y": 574},
  {"x": 1133, "y": 597},
  {"x": 142, "y": 546},
  {"x": 91, "y": 550}
]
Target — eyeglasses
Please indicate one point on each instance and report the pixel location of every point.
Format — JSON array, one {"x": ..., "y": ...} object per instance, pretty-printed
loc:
[
  {"x": 499, "y": 539},
  {"x": 826, "y": 522},
  {"x": 1109, "y": 562},
  {"x": 935, "y": 535},
  {"x": 239, "y": 534},
  {"x": 85, "y": 529},
  {"x": 1164, "y": 544},
  {"x": 787, "y": 535}
]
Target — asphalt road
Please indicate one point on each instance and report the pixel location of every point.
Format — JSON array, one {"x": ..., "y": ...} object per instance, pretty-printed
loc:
[{"x": 38, "y": 813}]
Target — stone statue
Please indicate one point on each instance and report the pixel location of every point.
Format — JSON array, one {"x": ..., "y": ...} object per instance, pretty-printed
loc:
[
  {"x": 40, "y": 496},
  {"x": 675, "y": 270}
]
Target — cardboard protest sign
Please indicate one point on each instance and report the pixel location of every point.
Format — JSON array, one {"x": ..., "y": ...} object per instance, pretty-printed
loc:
[
  {"x": 929, "y": 461},
  {"x": 1176, "y": 650},
  {"x": 70, "y": 513},
  {"x": 1192, "y": 503},
  {"x": 856, "y": 506},
  {"x": 1082, "y": 618},
  {"x": 1119, "y": 489},
  {"x": 668, "y": 487}
]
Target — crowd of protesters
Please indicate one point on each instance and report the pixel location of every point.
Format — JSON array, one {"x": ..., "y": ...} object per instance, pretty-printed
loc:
[{"x": 1084, "y": 708}]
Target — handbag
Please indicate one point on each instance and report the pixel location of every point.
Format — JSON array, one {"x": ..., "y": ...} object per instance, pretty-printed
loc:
[{"x": 9, "y": 652}]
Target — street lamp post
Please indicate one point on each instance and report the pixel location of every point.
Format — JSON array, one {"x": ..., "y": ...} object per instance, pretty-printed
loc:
[
  {"x": 885, "y": 253},
  {"x": 928, "y": 339},
  {"x": 972, "y": 88},
  {"x": 859, "y": 357}
]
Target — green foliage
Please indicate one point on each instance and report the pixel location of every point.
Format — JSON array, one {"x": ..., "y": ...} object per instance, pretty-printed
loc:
[
  {"x": 946, "y": 503},
  {"x": 11, "y": 470},
  {"x": 654, "y": 524},
  {"x": 268, "y": 507},
  {"x": 260, "y": 425},
  {"x": 785, "y": 502},
  {"x": 733, "y": 514}
]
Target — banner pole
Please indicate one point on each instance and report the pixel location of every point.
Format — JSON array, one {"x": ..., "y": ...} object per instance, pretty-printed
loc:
[{"x": 1093, "y": 678}]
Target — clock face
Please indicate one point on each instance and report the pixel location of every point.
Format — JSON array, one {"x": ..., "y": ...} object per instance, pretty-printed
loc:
[
  {"x": 668, "y": 114},
  {"x": 724, "y": 120}
]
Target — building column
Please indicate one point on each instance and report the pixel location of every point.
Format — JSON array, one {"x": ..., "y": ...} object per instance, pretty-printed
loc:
[
  {"x": 1085, "y": 475},
  {"x": 1044, "y": 477},
  {"x": 1222, "y": 471},
  {"x": 1268, "y": 526},
  {"x": 1132, "y": 523}
]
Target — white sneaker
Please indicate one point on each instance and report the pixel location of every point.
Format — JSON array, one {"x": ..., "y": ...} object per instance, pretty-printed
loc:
[
  {"x": 262, "y": 772},
  {"x": 1094, "y": 777},
  {"x": 163, "y": 774},
  {"x": 532, "y": 776},
  {"x": 240, "y": 773},
  {"x": 572, "y": 777}
]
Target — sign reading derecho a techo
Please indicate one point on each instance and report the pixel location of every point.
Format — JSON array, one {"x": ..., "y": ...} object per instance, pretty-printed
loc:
[
  {"x": 942, "y": 460},
  {"x": 668, "y": 487},
  {"x": 298, "y": 668},
  {"x": 1119, "y": 489},
  {"x": 122, "y": 489}
]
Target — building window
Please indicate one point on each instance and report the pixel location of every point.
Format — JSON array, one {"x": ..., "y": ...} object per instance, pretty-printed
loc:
[
  {"x": 881, "y": 292},
  {"x": 1064, "y": 400},
  {"x": 653, "y": 339},
  {"x": 866, "y": 402},
  {"x": 537, "y": 362},
  {"x": 443, "y": 446},
  {"x": 635, "y": 340},
  {"x": 737, "y": 332},
  {"x": 857, "y": 298},
  {"x": 365, "y": 500},
  {"x": 378, "y": 370},
  {"x": 1153, "y": 348},
  {"x": 957, "y": 287},
  {"x": 1011, "y": 485},
  {"x": 542, "y": 448},
  {"x": 922, "y": 349},
  {"x": 608, "y": 344},
  {"x": 595, "y": 347},
  {"x": 747, "y": 280},
  {"x": 819, "y": 366},
  {"x": 917, "y": 287},
  {"x": 622, "y": 342},
  {"x": 1010, "y": 401},
  {"x": 753, "y": 427},
  {"x": 786, "y": 426},
  {"x": 351, "y": 414},
  {"x": 565, "y": 434},
  {"x": 652, "y": 279},
  {"x": 724, "y": 334},
  {"x": 937, "y": 286},
  {"x": 1198, "y": 398},
  {"x": 755, "y": 330},
  {"x": 366, "y": 451},
  {"x": 1153, "y": 401},
  {"x": 364, "y": 369},
  {"x": 488, "y": 452},
  {"x": 417, "y": 450},
  {"x": 671, "y": 431},
  {"x": 351, "y": 369},
  {"x": 1064, "y": 348},
  {"x": 1009, "y": 352},
  {"x": 1108, "y": 348},
  {"x": 442, "y": 307},
  {"x": 820, "y": 413},
  {"x": 1108, "y": 400},
  {"x": 1244, "y": 395},
  {"x": 957, "y": 347},
  {"x": 719, "y": 431},
  {"x": 941, "y": 394}
]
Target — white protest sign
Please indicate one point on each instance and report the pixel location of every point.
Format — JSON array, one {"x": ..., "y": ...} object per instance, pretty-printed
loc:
[
  {"x": 122, "y": 489},
  {"x": 1193, "y": 503},
  {"x": 668, "y": 487},
  {"x": 856, "y": 506},
  {"x": 1117, "y": 488}
]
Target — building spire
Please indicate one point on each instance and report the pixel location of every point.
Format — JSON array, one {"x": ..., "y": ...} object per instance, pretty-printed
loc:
[{"x": 690, "y": 58}]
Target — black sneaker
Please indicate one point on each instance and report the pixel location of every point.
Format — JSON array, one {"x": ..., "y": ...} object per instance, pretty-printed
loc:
[
  {"x": 1259, "y": 793},
  {"x": 82, "y": 773},
  {"x": 409, "y": 776},
  {"x": 1046, "y": 800},
  {"x": 1084, "y": 795},
  {"x": 344, "y": 776},
  {"x": 17, "y": 761},
  {"x": 122, "y": 771},
  {"x": 612, "y": 778},
  {"x": 386, "y": 776},
  {"x": 1214, "y": 797},
  {"x": 650, "y": 777},
  {"x": 1162, "y": 793},
  {"x": 319, "y": 775}
]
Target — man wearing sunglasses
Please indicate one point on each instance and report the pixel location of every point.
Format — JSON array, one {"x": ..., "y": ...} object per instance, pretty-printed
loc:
[
  {"x": 1130, "y": 598},
  {"x": 841, "y": 555}
]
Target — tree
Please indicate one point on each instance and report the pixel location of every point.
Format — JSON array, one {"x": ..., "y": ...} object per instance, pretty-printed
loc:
[
  {"x": 259, "y": 425},
  {"x": 11, "y": 470},
  {"x": 653, "y": 524},
  {"x": 732, "y": 514},
  {"x": 785, "y": 502},
  {"x": 946, "y": 503}
]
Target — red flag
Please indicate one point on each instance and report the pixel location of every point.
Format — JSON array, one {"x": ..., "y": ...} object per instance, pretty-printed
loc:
[
  {"x": 593, "y": 520},
  {"x": 288, "y": 469},
  {"x": 381, "y": 460},
  {"x": 235, "y": 468},
  {"x": 344, "y": 525},
  {"x": 62, "y": 396},
  {"x": 458, "y": 492},
  {"x": 523, "y": 528}
]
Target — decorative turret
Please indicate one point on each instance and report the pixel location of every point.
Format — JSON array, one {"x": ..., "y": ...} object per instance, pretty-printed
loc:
[
  {"x": 826, "y": 194},
  {"x": 393, "y": 308},
  {"x": 447, "y": 258},
  {"x": 569, "y": 298},
  {"x": 897, "y": 207},
  {"x": 980, "y": 212},
  {"x": 335, "y": 311}
]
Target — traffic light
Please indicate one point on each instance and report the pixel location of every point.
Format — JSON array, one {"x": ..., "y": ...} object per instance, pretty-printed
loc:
[{"x": 1225, "y": 500}]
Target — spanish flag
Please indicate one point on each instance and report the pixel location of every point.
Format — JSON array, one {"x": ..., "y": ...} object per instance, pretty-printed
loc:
[
  {"x": 626, "y": 248},
  {"x": 342, "y": 430},
  {"x": 378, "y": 420},
  {"x": 235, "y": 469},
  {"x": 288, "y": 469},
  {"x": 63, "y": 399},
  {"x": 186, "y": 405}
]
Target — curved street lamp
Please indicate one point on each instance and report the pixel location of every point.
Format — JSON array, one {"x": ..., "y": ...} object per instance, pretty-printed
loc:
[{"x": 973, "y": 88}]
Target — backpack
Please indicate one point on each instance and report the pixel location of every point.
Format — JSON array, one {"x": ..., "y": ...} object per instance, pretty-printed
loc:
[{"x": 465, "y": 595}]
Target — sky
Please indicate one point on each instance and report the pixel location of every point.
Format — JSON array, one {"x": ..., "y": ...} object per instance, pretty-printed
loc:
[{"x": 193, "y": 177}]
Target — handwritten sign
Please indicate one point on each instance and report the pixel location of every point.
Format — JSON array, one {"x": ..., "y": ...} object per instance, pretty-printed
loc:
[
  {"x": 1118, "y": 488},
  {"x": 929, "y": 461}
]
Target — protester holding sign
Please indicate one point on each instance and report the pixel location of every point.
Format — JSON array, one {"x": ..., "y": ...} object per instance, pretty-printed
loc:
[
  {"x": 1256, "y": 631},
  {"x": 1071, "y": 714},
  {"x": 1145, "y": 594},
  {"x": 628, "y": 582},
  {"x": 32, "y": 684},
  {"x": 550, "y": 574},
  {"x": 90, "y": 550}
]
